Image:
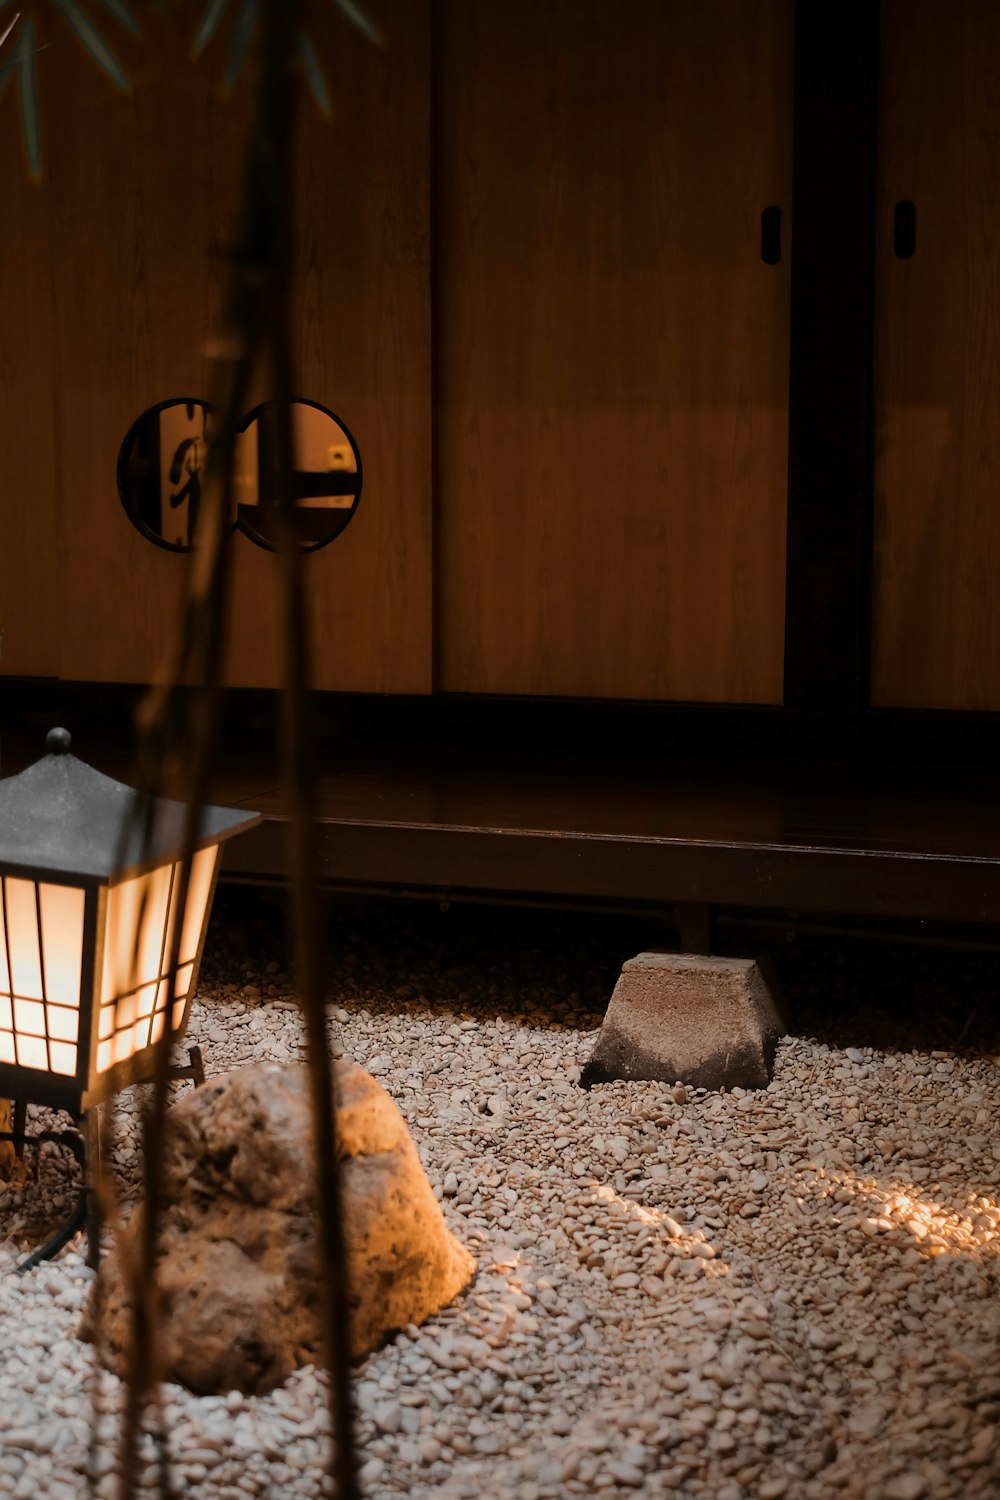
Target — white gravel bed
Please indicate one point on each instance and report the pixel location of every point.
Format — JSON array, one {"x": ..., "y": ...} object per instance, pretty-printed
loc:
[{"x": 740, "y": 1296}]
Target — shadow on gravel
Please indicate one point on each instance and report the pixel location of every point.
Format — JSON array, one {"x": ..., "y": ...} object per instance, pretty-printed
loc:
[
  {"x": 557, "y": 967},
  {"x": 850, "y": 991},
  {"x": 842, "y": 990}
]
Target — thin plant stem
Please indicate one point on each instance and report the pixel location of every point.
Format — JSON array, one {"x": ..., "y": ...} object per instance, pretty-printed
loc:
[
  {"x": 298, "y": 744},
  {"x": 178, "y": 720},
  {"x": 178, "y": 724}
]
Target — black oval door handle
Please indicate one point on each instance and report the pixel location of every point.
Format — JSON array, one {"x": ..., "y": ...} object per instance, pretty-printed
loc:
[
  {"x": 770, "y": 236},
  {"x": 904, "y": 229}
]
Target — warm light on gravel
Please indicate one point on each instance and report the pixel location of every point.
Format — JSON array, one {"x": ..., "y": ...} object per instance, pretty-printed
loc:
[{"x": 790, "y": 1294}]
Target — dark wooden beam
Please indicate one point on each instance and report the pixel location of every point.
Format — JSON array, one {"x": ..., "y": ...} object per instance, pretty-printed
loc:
[
  {"x": 399, "y": 858},
  {"x": 882, "y": 839},
  {"x": 828, "y": 574}
]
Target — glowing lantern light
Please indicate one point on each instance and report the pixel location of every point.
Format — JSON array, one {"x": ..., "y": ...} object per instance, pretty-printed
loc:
[{"x": 88, "y": 912}]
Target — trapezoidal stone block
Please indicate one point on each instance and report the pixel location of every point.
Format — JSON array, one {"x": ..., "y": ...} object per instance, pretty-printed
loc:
[{"x": 709, "y": 1022}]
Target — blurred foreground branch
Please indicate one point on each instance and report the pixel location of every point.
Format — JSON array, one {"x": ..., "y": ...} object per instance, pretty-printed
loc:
[{"x": 178, "y": 725}]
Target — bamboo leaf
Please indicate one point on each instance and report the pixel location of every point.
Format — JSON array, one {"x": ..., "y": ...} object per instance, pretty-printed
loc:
[
  {"x": 9, "y": 65},
  {"x": 214, "y": 12},
  {"x": 244, "y": 30},
  {"x": 314, "y": 75},
  {"x": 93, "y": 41},
  {"x": 31, "y": 121},
  {"x": 9, "y": 27},
  {"x": 121, "y": 13},
  {"x": 353, "y": 13},
  {"x": 20, "y": 60}
]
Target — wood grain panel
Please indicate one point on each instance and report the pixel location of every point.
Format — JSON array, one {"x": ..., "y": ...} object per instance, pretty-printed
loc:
[
  {"x": 936, "y": 615},
  {"x": 611, "y": 352},
  {"x": 130, "y": 202},
  {"x": 29, "y": 556},
  {"x": 362, "y": 322},
  {"x": 140, "y": 186}
]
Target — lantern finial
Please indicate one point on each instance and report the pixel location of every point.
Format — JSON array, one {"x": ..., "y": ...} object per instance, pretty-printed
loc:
[{"x": 58, "y": 741}]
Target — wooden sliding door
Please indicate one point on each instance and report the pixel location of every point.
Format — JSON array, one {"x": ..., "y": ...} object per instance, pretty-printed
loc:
[
  {"x": 29, "y": 549},
  {"x": 936, "y": 620},
  {"x": 611, "y": 347},
  {"x": 114, "y": 266}
]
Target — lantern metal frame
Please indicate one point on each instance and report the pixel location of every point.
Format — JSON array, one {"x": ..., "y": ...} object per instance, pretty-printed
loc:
[
  {"x": 65, "y": 826},
  {"x": 87, "y": 1087}
]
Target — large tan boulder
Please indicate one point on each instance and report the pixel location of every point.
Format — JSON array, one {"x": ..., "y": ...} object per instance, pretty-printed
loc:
[{"x": 239, "y": 1272}]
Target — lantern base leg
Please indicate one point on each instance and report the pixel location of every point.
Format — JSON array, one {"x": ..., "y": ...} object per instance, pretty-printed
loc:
[
  {"x": 92, "y": 1167},
  {"x": 74, "y": 1142},
  {"x": 194, "y": 1068},
  {"x": 20, "y": 1120},
  {"x": 85, "y": 1144}
]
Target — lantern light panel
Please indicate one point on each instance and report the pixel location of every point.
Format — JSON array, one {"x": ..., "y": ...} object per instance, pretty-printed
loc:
[{"x": 88, "y": 917}]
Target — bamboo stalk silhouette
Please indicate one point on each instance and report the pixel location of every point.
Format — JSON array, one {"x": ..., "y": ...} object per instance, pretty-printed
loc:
[{"x": 177, "y": 727}]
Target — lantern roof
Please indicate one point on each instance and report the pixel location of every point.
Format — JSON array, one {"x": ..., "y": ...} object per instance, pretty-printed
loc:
[{"x": 60, "y": 817}]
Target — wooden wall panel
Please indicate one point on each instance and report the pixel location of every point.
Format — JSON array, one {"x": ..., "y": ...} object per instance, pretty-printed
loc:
[
  {"x": 363, "y": 327},
  {"x": 139, "y": 187},
  {"x": 611, "y": 352},
  {"x": 29, "y": 550},
  {"x": 936, "y": 617},
  {"x": 130, "y": 203}
]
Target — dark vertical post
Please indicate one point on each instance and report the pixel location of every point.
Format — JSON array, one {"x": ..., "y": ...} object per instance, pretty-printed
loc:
[
  {"x": 93, "y": 1166},
  {"x": 830, "y": 418},
  {"x": 695, "y": 926}
]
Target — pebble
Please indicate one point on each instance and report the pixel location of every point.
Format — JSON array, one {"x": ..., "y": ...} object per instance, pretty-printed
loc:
[
  {"x": 772, "y": 1489},
  {"x": 625, "y": 1474},
  {"x": 739, "y": 1296},
  {"x": 906, "y": 1487}
]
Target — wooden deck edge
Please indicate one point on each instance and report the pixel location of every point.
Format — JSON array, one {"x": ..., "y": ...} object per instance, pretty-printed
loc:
[{"x": 641, "y": 870}]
